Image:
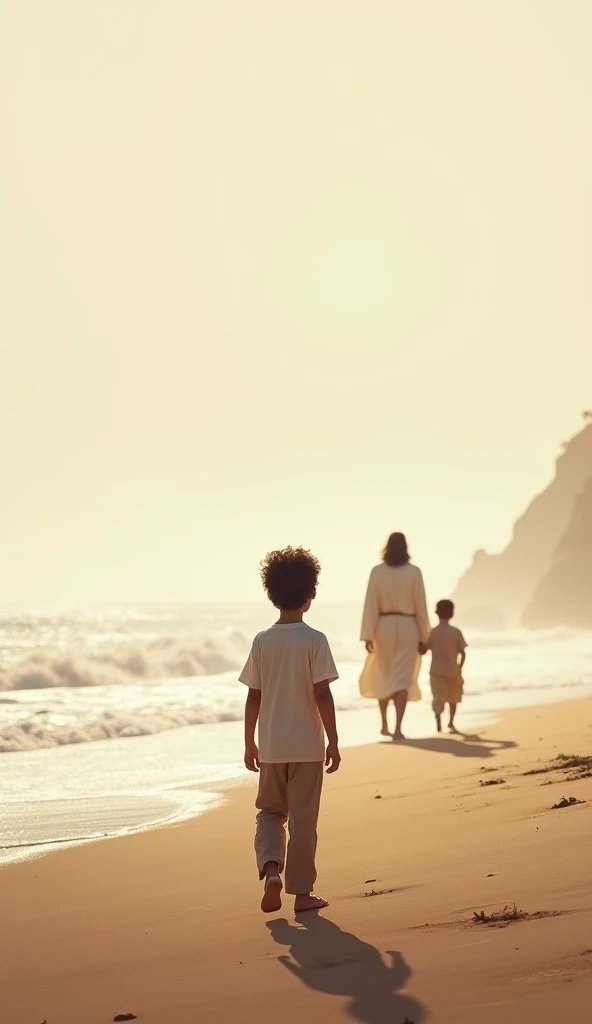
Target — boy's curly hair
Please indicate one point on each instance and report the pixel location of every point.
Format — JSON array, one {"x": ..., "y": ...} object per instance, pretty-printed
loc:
[{"x": 290, "y": 577}]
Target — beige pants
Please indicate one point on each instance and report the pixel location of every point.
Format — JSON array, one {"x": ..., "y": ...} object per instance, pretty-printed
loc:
[{"x": 289, "y": 793}]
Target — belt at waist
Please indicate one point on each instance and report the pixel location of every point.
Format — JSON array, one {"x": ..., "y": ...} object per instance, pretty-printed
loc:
[{"x": 406, "y": 615}]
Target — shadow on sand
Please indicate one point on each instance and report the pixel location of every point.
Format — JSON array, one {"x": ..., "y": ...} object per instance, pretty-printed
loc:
[
  {"x": 337, "y": 963},
  {"x": 461, "y": 745}
]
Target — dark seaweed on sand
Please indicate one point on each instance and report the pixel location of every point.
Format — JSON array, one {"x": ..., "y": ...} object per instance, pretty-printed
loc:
[
  {"x": 578, "y": 765},
  {"x": 501, "y": 918},
  {"x": 491, "y": 782},
  {"x": 567, "y": 802},
  {"x": 506, "y": 914}
]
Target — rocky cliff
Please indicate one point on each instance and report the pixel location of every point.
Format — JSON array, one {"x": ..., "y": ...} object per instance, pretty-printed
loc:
[
  {"x": 564, "y": 595},
  {"x": 497, "y": 589}
]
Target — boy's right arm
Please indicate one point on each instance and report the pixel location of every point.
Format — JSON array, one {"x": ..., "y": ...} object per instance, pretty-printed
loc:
[
  {"x": 326, "y": 706},
  {"x": 424, "y": 648},
  {"x": 252, "y": 708},
  {"x": 251, "y": 677}
]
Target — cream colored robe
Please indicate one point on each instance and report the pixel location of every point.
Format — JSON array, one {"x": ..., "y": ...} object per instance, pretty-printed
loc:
[{"x": 395, "y": 663}]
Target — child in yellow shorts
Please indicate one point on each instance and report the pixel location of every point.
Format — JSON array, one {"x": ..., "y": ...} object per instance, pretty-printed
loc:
[{"x": 448, "y": 647}]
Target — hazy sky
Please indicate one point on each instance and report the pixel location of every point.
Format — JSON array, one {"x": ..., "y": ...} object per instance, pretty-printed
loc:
[{"x": 281, "y": 272}]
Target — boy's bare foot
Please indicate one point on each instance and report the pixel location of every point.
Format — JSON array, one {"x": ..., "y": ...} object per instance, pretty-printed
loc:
[
  {"x": 309, "y": 902},
  {"x": 385, "y": 731},
  {"x": 272, "y": 895},
  {"x": 398, "y": 737},
  {"x": 452, "y": 728}
]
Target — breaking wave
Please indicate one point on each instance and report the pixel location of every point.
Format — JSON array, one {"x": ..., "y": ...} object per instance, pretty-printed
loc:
[
  {"x": 73, "y": 679},
  {"x": 165, "y": 657}
]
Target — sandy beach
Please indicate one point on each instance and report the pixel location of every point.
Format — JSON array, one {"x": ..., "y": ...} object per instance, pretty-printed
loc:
[
  {"x": 297, "y": 424},
  {"x": 166, "y": 924}
]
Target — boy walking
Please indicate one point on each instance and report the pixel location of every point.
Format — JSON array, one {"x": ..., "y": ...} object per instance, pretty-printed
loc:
[
  {"x": 289, "y": 672},
  {"x": 448, "y": 647}
]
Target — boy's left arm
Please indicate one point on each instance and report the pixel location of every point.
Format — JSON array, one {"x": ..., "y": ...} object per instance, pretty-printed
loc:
[
  {"x": 324, "y": 673},
  {"x": 326, "y": 705}
]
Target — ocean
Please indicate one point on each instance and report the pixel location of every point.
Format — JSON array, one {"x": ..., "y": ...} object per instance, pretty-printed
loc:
[{"x": 122, "y": 718}]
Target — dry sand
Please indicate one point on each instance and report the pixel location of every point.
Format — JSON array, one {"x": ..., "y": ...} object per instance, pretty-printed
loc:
[{"x": 166, "y": 924}]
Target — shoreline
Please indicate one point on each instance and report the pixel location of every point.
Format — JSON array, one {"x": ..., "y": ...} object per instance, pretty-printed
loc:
[
  {"x": 165, "y": 923},
  {"x": 168, "y": 804}
]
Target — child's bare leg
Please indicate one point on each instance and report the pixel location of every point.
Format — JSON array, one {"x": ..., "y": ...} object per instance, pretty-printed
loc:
[
  {"x": 400, "y": 699},
  {"x": 451, "y": 725},
  {"x": 383, "y": 705},
  {"x": 439, "y": 722},
  {"x": 272, "y": 892}
]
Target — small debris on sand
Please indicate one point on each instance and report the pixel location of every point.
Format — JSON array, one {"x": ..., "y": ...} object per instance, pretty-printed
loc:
[
  {"x": 491, "y": 782},
  {"x": 506, "y": 914},
  {"x": 567, "y": 802},
  {"x": 368, "y": 880},
  {"x": 125, "y": 1016},
  {"x": 492, "y": 875},
  {"x": 573, "y": 766},
  {"x": 378, "y": 797}
]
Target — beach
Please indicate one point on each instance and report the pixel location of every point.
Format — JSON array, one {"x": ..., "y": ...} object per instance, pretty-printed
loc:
[
  {"x": 118, "y": 720},
  {"x": 298, "y": 443},
  {"x": 166, "y": 925}
]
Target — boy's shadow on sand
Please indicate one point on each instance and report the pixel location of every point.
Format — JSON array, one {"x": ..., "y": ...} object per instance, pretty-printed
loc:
[
  {"x": 337, "y": 963},
  {"x": 461, "y": 745}
]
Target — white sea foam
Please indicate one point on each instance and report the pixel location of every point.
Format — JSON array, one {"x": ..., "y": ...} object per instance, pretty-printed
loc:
[
  {"x": 78, "y": 678},
  {"x": 33, "y": 734},
  {"x": 62, "y": 718},
  {"x": 164, "y": 657},
  {"x": 116, "y": 720}
]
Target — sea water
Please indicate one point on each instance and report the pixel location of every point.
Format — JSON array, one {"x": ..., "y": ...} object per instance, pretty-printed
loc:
[{"x": 118, "y": 719}]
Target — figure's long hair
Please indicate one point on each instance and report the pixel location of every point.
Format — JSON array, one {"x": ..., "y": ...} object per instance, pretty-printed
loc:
[{"x": 395, "y": 551}]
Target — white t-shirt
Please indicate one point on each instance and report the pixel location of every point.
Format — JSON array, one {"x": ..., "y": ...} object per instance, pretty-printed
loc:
[{"x": 285, "y": 663}]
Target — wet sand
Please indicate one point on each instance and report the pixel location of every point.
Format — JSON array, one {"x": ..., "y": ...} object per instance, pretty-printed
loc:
[{"x": 166, "y": 924}]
